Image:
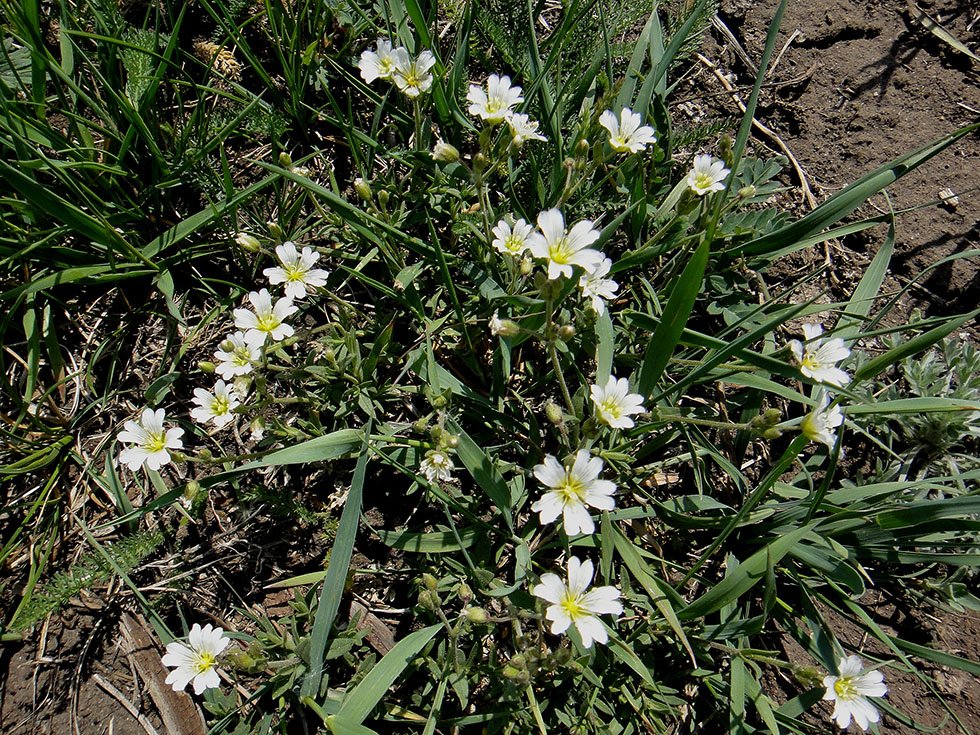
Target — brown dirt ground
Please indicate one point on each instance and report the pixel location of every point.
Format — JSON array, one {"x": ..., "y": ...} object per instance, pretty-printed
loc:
[{"x": 861, "y": 83}]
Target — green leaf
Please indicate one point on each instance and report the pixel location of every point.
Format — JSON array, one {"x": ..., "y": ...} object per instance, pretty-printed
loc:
[
  {"x": 482, "y": 469},
  {"x": 436, "y": 542}
]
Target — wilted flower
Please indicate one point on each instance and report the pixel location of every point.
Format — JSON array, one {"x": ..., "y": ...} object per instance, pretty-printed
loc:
[
  {"x": 437, "y": 466},
  {"x": 707, "y": 175},
  {"x": 849, "y": 691},
  {"x": 413, "y": 76},
  {"x": 198, "y": 660},
  {"x": 378, "y": 64},
  {"x": 151, "y": 441},
  {"x": 497, "y": 102},
  {"x": 236, "y": 357},
  {"x": 572, "y": 490},
  {"x": 522, "y": 129},
  {"x": 626, "y": 135},
  {"x": 573, "y": 604},
  {"x": 503, "y": 327},
  {"x": 267, "y": 320},
  {"x": 597, "y": 287},
  {"x": 512, "y": 240},
  {"x": 296, "y": 271},
  {"x": 564, "y": 248},
  {"x": 819, "y": 357},
  {"x": 614, "y": 403},
  {"x": 217, "y": 406},
  {"x": 819, "y": 424}
]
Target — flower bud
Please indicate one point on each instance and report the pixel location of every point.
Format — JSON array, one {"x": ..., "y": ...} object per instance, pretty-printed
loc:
[
  {"x": 275, "y": 230},
  {"x": 746, "y": 192},
  {"x": 363, "y": 189},
  {"x": 510, "y": 672},
  {"x": 553, "y": 413},
  {"x": 430, "y": 582},
  {"x": 476, "y": 615},
  {"x": 248, "y": 242},
  {"x": 191, "y": 489},
  {"x": 465, "y": 592},
  {"x": 771, "y": 434},
  {"x": 444, "y": 152},
  {"x": 527, "y": 265},
  {"x": 285, "y": 161},
  {"x": 503, "y": 327},
  {"x": 480, "y": 162},
  {"x": 178, "y": 456},
  {"x": 204, "y": 454},
  {"x": 383, "y": 198},
  {"x": 430, "y": 600},
  {"x": 257, "y": 428},
  {"x": 566, "y": 332},
  {"x": 582, "y": 148},
  {"x": 421, "y": 426},
  {"x": 451, "y": 441},
  {"x": 205, "y": 366}
]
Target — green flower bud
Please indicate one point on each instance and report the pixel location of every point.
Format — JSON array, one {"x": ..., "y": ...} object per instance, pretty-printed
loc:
[
  {"x": 204, "y": 454},
  {"x": 771, "y": 434},
  {"x": 746, "y": 192},
  {"x": 510, "y": 672},
  {"x": 248, "y": 242},
  {"x": 476, "y": 615},
  {"x": 480, "y": 162},
  {"x": 527, "y": 265},
  {"x": 285, "y": 161},
  {"x": 451, "y": 441},
  {"x": 430, "y": 600},
  {"x": 430, "y": 582},
  {"x": 465, "y": 592},
  {"x": 518, "y": 661},
  {"x": 582, "y": 148},
  {"x": 383, "y": 198},
  {"x": 363, "y": 189},
  {"x": 205, "y": 366},
  {"x": 275, "y": 230},
  {"x": 553, "y": 413},
  {"x": 444, "y": 152},
  {"x": 566, "y": 332},
  {"x": 178, "y": 456},
  {"x": 421, "y": 426}
]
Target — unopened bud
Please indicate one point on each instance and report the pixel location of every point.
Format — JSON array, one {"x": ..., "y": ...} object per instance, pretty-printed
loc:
[
  {"x": 518, "y": 661},
  {"x": 248, "y": 242},
  {"x": 257, "y": 428},
  {"x": 582, "y": 148},
  {"x": 566, "y": 332},
  {"x": 421, "y": 426},
  {"x": 746, "y": 192},
  {"x": 191, "y": 489},
  {"x": 205, "y": 366},
  {"x": 527, "y": 265},
  {"x": 510, "y": 672},
  {"x": 363, "y": 189},
  {"x": 444, "y": 152},
  {"x": 480, "y": 162},
  {"x": 476, "y": 615},
  {"x": 465, "y": 592},
  {"x": 553, "y": 413},
  {"x": 772, "y": 415},
  {"x": 771, "y": 434},
  {"x": 383, "y": 198},
  {"x": 503, "y": 327},
  {"x": 205, "y": 454},
  {"x": 430, "y": 582},
  {"x": 429, "y": 600},
  {"x": 275, "y": 230},
  {"x": 451, "y": 441},
  {"x": 285, "y": 161},
  {"x": 178, "y": 456}
]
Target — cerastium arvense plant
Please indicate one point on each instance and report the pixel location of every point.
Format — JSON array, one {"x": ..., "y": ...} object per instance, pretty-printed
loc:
[{"x": 471, "y": 287}]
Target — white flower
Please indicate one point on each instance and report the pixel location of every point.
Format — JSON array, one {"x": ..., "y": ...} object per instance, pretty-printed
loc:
[
  {"x": 267, "y": 320},
  {"x": 597, "y": 287},
  {"x": 818, "y": 359},
  {"x": 571, "y": 604},
  {"x": 236, "y": 357},
  {"x": 572, "y": 489},
  {"x": 444, "y": 152},
  {"x": 198, "y": 660},
  {"x": 512, "y": 240},
  {"x": 707, "y": 175},
  {"x": 249, "y": 242},
  {"x": 849, "y": 691},
  {"x": 497, "y": 102},
  {"x": 378, "y": 64},
  {"x": 296, "y": 271},
  {"x": 626, "y": 135},
  {"x": 564, "y": 248},
  {"x": 503, "y": 327},
  {"x": 437, "y": 466},
  {"x": 412, "y": 76},
  {"x": 151, "y": 441},
  {"x": 523, "y": 128},
  {"x": 614, "y": 403},
  {"x": 217, "y": 407},
  {"x": 819, "y": 424}
]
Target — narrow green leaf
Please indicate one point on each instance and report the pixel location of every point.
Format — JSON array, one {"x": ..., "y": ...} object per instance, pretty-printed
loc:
[
  {"x": 436, "y": 542},
  {"x": 482, "y": 470},
  {"x": 849, "y": 325}
]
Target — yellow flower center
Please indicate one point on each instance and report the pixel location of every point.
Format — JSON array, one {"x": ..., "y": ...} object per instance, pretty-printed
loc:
[
  {"x": 570, "y": 604},
  {"x": 266, "y": 322},
  {"x": 611, "y": 407},
  {"x": 844, "y": 688},
  {"x": 294, "y": 272},
  {"x": 412, "y": 77},
  {"x": 204, "y": 662},
  {"x": 155, "y": 442},
  {"x": 513, "y": 244},
  {"x": 704, "y": 181},
  {"x": 571, "y": 491},
  {"x": 220, "y": 406},
  {"x": 559, "y": 251}
]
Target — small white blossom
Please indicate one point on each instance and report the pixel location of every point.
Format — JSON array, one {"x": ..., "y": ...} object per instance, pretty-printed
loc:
[
  {"x": 379, "y": 64},
  {"x": 503, "y": 327},
  {"x": 564, "y": 248},
  {"x": 573, "y": 489},
  {"x": 413, "y": 76},
  {"x": 523, "y": 129},
  {"x": 497, "y": 102},
  {"x": 849, "y": 691},
  {"x": 819, "y": 357},
  {"x": 198, "y": 660},
  {"x": 597, "y": 287},
  {"x": 248, "y": 242},
  {"x": 150, "y": 439},
  {"x": 819, "y": 424},
  {"x": 437, "y": 466},
  {"x": 512, "y": 240},
  {"x": 707, "y": 175},
  {"x": 267, "y": 320},
  {"x": 614, "y": 403},
  {"x": 574, "y": 604},
  {"x": 626, "y": 135},
  {"x": 217, "y": 407},
  {"x": 236, "y": 357},
  {"x": 296, "y": 271}
]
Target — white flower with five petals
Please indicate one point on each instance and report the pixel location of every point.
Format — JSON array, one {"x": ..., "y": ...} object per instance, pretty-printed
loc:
[
  {"x": 523, "y": 129},
  {"x": 236, "y": 357},
  {"x": 819, "y": 357},
  {"x": 296, "y": 270},
  {"x": 614, "y": 403},
  {"x": 437, "y": 466},
  {"x": 707, "y": 175},
  {"x": 217, "y": 407},
  {"x": 511, "y": 240},
  {"x": 267, "y": 320},
  {"x": 563, "y": 248},
  {"x": 626, "y": 135},
  {"x": 496, "y": 103},
  {"x": 413, "y": 76},
  {"x": 574, "y": 604},
  {"x": 819, "y": 424},
  {"x": 597, "y": 287},
  {"x": 151, "y": 441},
  {"x": 849, "y": 691},
  {"x": 379, "y": 64},
  {"x": 573, "y": 490},
  {"x": 196, "y": 662}
]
